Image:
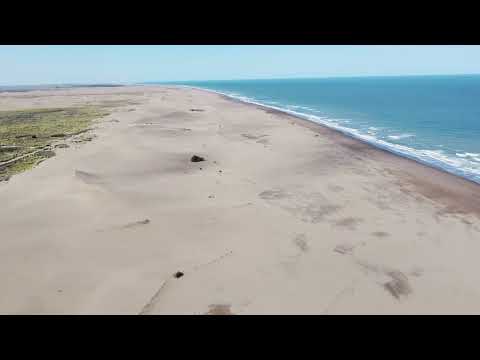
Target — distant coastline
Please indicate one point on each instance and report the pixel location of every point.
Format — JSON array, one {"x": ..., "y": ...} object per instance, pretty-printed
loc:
[{"x": 25, "y": 88}]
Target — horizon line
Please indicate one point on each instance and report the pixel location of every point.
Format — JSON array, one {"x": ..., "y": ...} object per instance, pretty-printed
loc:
[
  {"x": 312, "y": 77},
  {"x": 113, "y": 83}
]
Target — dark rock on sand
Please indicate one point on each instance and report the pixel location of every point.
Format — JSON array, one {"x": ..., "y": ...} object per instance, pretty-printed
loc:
[
  {"x": 197, "y": 110},
  {"x": 178, "y": 275},
  {"x": 196, "y": 158},
  {"x": 62, "y": 146}
]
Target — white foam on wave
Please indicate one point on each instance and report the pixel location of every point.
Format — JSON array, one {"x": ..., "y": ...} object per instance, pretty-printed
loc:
[
  {"x": 470, "y": 156},
  {"x": 401, "y": 136},
  {"x": 436, "y": 158}
]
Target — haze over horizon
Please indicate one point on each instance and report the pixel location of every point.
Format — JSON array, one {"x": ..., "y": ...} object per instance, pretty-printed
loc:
[{"x": 51, "y": 65}]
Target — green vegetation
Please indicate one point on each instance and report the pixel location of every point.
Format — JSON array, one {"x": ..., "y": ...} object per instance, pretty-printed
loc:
[{"x": 33, "y": 131}]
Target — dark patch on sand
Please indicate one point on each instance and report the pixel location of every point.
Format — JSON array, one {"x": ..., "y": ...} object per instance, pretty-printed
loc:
[
  {"x": 349, "y": 222},
  {"x": 309, "y": 207},
  {"x": 253, "y": 137},
  {"x": 301, "y": 242},
  {"x": 273, "y": 194},
  {"x": 335, "y": 188},
  {"x": 88, "y": 178},
  {"x": 380, "y": 234},
  {"x": 219, "y": 309},
  {"x": 344, "y": 249},
  {"x": 136, "y": 223},
  {"x": 399, "y": 285},
  {"x": 176, "y": 114}
]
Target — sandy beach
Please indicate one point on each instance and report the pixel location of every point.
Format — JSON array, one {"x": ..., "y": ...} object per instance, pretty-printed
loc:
[{"x": 283, "y": 217}]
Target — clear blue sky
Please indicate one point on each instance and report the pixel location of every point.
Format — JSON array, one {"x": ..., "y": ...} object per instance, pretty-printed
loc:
[{"x": 30, "y": 65}]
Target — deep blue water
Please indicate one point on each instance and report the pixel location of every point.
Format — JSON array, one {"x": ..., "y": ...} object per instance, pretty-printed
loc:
[{"x": 433, "y": 119}]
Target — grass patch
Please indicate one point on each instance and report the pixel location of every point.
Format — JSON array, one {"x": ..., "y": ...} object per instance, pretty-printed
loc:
[
  {"x": 20, "y": 166},
  {"x": 25, "y": 131}
]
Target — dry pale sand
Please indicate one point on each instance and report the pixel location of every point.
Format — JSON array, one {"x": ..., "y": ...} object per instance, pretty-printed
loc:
[{"x": 283, "y": 217}]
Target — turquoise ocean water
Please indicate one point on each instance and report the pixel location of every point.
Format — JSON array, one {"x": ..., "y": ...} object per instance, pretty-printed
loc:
[{"x": 432, "y": 119}]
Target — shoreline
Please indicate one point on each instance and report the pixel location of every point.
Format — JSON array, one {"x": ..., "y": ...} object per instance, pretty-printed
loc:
[
  {"x": 283, "y": 216},
  {"x": 390, "y": 148},
  {"x": 456, "y": 189}
]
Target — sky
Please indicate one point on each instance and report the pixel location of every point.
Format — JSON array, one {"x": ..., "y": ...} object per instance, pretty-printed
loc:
[{"x": 74, "y": 64}]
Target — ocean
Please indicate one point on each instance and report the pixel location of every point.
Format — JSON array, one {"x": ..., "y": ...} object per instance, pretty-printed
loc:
[{"x": 432, "y": 119}]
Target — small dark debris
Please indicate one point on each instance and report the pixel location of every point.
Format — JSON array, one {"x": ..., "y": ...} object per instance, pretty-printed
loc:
[
  {"x": 219, "y": 309},
  {"x": 61, "y": 146},
  {"x": 200, "y": 168},
  {"x": 196, "y": 158},
  {"x": 197, "y": 110},
  {"x": 144, "y": 222},
  {"x": 178, "y": 275},
  {"x": 57, "y": 135},
  {"x": 219, "y": 171},
  {"x": 316, "y": 135},
  {"x": 344, "y": 249},
  {"x": 211, "y": 196}
]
